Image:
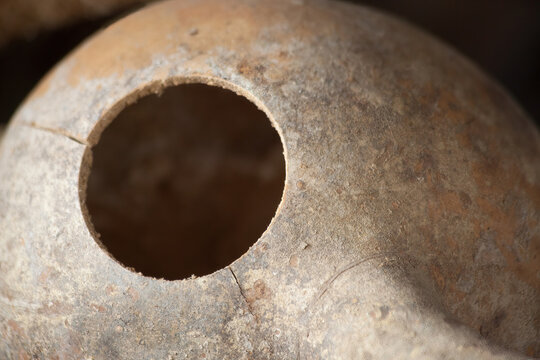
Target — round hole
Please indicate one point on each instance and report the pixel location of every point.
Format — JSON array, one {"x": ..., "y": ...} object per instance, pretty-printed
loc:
[{"x": 184, "y": 183}]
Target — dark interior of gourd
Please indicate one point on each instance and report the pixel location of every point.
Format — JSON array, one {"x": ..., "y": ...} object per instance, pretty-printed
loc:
[{"x": 184, "y": 183}]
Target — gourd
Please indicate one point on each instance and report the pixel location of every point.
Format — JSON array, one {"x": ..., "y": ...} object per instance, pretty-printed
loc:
[{"x": 407, "y": 226}]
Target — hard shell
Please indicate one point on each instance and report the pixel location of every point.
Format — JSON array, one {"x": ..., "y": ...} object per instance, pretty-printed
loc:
[{"x": 409, "y": 223}]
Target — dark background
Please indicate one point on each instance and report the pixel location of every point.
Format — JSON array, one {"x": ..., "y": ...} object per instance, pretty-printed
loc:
[{"x": 501, "y": 36}]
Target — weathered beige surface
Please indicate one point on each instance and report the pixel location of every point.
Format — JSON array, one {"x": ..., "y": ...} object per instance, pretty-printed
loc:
[{"x": 408, "y": 228}]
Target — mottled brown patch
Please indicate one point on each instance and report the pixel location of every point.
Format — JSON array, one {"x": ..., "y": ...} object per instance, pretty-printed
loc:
[
  {"x": 98, "y": 308},
  {"x": 252, "y": 70},
  {"x": 45, "y": 274},
  {"x": 14, "y": 326},
  {"x": 260, "y": 249},
  {"x": 380, "y": 313},
  {"x": 457, "y": 294},
  {"x": 132, "y": 293},
  {"x": 55, "y": 308},
  {"x": 161, "y": 29},
  {"x": 494, "y": 185},
  {"x": 445, "y": 203},
  {"x": 493, "y": 324},
  {"x": 110, "y": 289},
  {"x": 452, "y": 243},
  {"x": 450, "y": 107},
  {"x": 533, "y": 349},
  {"x": 135, "y": 45},
  {"x": 505, "y": 224},
  {"x": 259, "y": 291},
  {"x": 437, "y": 275},
  {"x": 293, "y": 261},
  {"x": 23, "y": 355}
]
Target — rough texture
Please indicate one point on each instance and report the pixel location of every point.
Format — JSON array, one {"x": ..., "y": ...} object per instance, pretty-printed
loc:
[{"x": 408, "y": 228}]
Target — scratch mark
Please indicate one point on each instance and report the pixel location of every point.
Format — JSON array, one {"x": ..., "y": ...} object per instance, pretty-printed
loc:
[
  {"x": 328, "y": 283},
  {"x": 326, "y": 286},
  {"x": 60, "y": 132}
]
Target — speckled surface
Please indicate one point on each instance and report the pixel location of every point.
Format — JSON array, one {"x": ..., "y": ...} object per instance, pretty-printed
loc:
[{"x": 408, "y": 228}]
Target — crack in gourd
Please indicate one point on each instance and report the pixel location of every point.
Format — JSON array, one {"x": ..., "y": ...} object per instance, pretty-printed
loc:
[{"x": 60, "y": 132}]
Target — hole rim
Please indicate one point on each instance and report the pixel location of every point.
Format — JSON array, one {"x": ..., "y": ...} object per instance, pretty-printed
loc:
[{"x": 157, "y": 87}]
